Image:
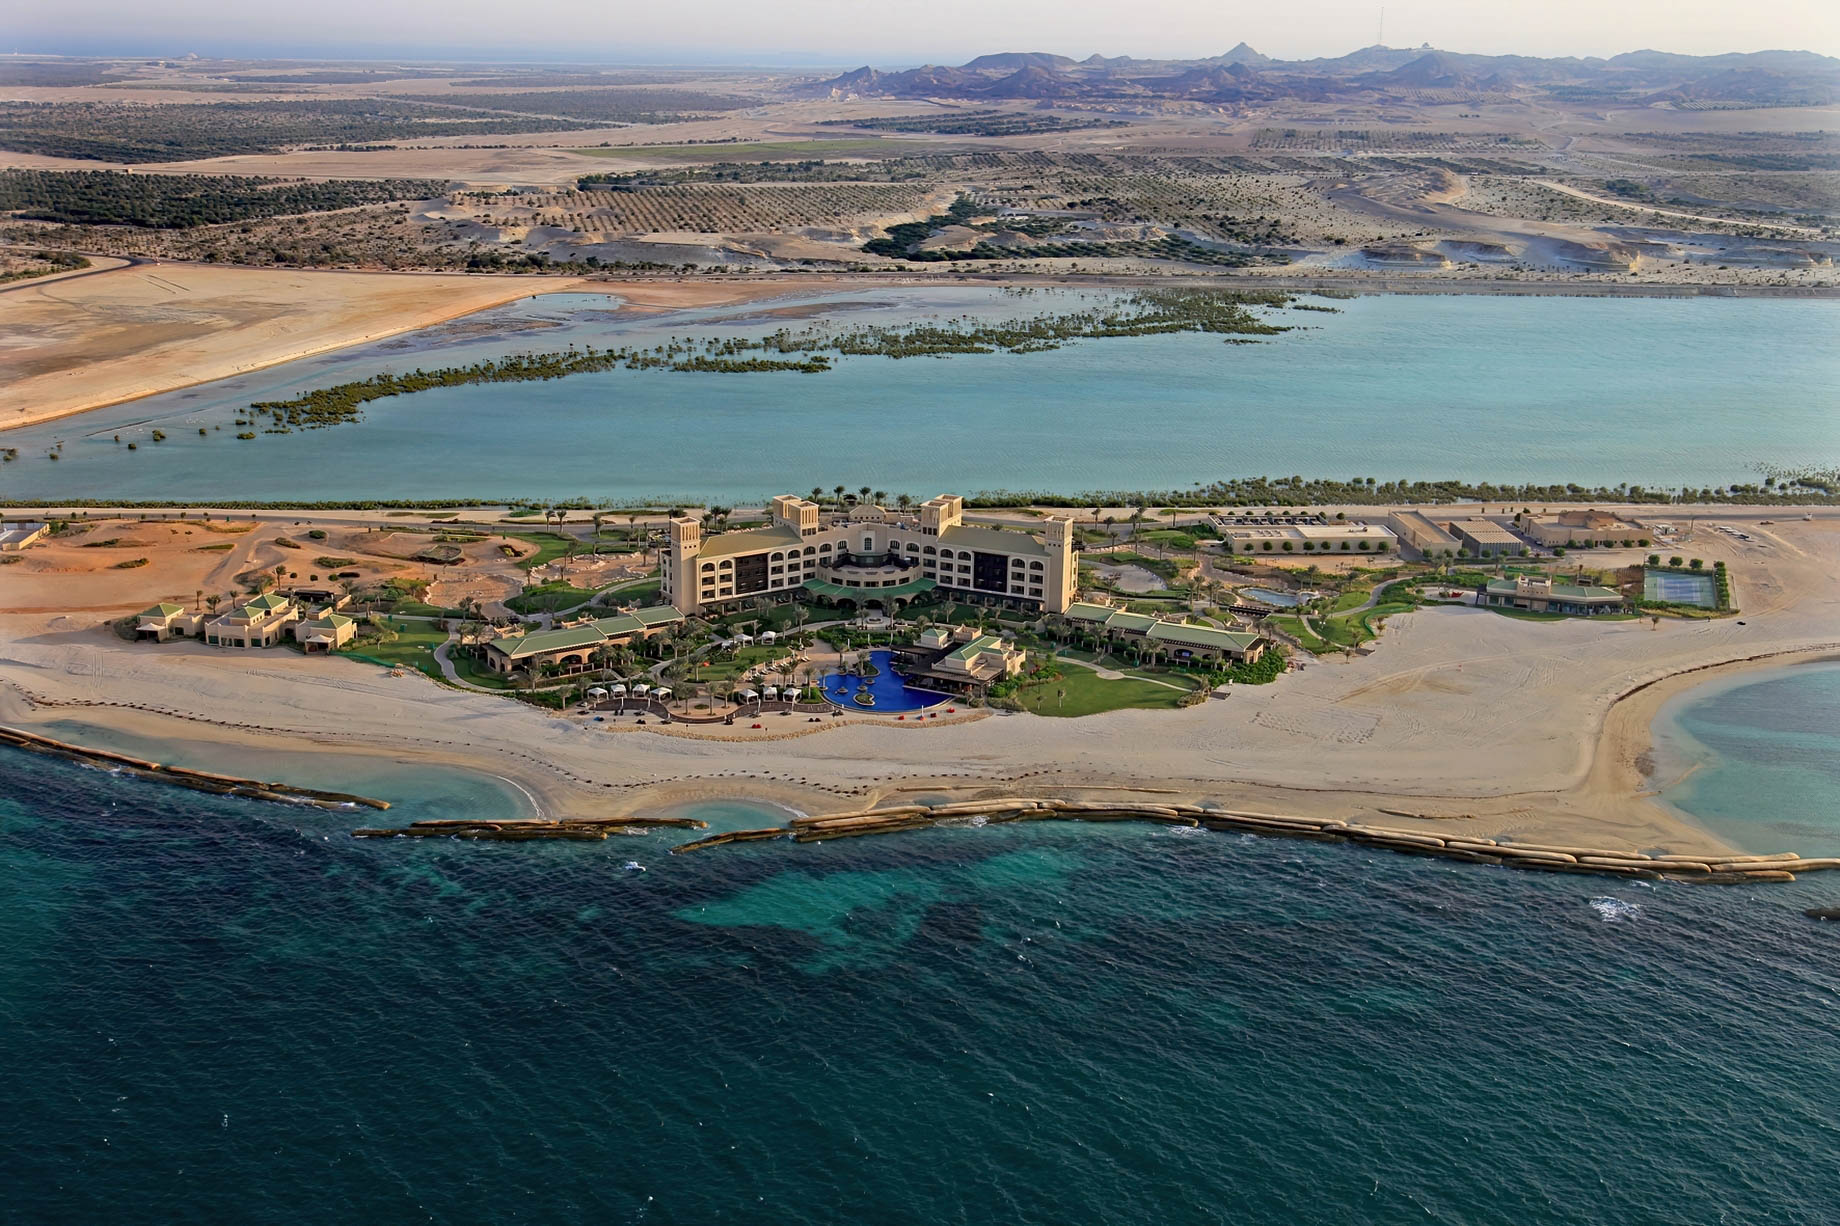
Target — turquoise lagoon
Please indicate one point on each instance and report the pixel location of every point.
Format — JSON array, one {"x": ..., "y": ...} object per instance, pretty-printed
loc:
[
  {"x": 1660, "y": 392},
  {"x": 1756, "y": 758}
]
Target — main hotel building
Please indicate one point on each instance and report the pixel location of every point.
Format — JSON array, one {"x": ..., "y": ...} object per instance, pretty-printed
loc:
[{"x": 869, "y": 556}]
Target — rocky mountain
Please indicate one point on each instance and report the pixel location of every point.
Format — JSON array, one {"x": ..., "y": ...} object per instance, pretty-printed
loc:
[{"x": 1763, "y": 78}]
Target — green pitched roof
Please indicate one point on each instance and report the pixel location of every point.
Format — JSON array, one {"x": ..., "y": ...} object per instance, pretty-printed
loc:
[
  {"x": 977, "y": 646},
  {"x": 269, "y": 603},
  {"x": 1082, "y": 611},
  {"x": 1121, "y": 620},
  {"x": 658, "y": 615},
  {"x": 548, "y": 640},
  {"x": 334, "y": 620},
  {"x": 618, "y": 625},
  {"x": 1202, "y": 636},
  {"x": 1561, "y": 591},
  {"x": 164, "y": 610}
]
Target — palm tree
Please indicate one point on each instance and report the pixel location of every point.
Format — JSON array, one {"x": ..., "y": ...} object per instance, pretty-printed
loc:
[
  {"x": 862, "y": 495},
  {"x": 817, "y": 493},
  {"x": 881, "y": 496},
  {"x": 904, "y": 501},
  {"x": 197, "y": 598},
  {"x": 212, "y": 602},
  {"x": 839, "y": 491}
]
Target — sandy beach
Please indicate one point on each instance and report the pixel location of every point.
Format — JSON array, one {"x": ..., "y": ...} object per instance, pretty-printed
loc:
[
  {"x": 86, "y": 341},
  {"x": 1420, "y": 726}
]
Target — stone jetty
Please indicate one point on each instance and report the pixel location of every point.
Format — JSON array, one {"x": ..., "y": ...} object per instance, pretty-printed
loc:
[
  {"x": 1710, "y": 868},
  {"x": 520, "y": 829},
  {"x": 185, "y": 776}
]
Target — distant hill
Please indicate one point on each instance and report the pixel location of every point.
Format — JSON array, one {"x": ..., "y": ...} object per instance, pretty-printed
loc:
[{"x": 1761, "y": 78}]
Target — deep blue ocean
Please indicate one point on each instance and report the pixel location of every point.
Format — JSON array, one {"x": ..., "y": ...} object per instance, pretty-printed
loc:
[{"x": 215, "y": 1010}]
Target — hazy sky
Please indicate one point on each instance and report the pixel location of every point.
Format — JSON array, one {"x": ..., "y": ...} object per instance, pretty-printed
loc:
[{"x": 939, "y": 31}]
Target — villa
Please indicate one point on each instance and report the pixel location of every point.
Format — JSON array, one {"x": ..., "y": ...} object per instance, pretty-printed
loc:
[
  {"x": 1308, "y": 533},
  {"x": 960, "y": 659},
  {"x": 325, "y": 632},
  {"x": 1177, "y": 642},
  {"x": 262, "y": 622},
  {"x": 164, "y": 622},
  {"x": 1540, "y": 594},
  {"x": 868, "y": 557},
  {"x": 571, "y": 649}
]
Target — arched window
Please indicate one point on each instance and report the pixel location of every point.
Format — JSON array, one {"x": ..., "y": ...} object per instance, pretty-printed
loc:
[
  {"x": 708, "y": 567},
  {"x": 929, "y": 549},
  {"x": 1034, "y": 565},
  {"x": 778, "y": 557}
]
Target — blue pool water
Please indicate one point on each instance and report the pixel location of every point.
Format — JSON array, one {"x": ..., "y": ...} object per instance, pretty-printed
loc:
[
  {"x": 216, "y": 1010},
  {"x": 1406, "y": 386},
  {"x": 891, "y": 693}
]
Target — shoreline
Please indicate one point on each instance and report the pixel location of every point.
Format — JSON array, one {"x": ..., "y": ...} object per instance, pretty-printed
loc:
[{"x": 1604, "y": 805}]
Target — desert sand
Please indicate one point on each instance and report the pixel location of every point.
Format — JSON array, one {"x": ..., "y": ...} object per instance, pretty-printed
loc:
[{"x": 1423, "y": 725}]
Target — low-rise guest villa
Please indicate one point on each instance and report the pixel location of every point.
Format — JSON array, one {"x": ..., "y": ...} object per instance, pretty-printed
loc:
[
  {"x": 960, "y": 659},
  {"x": 868, "y": 557},
  {"x": 1176, "y": 642},
  {"x": 1582, "y": 528},
  {"x": 15, "y": 536},
  {"x": 1541, "y": 594}
]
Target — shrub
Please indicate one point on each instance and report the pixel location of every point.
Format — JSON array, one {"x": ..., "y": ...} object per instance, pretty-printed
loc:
[{"x": 1288, "y": 547}]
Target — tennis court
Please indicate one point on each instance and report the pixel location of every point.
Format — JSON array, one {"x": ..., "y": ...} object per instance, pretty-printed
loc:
[{"x": 1676, "y": 588}]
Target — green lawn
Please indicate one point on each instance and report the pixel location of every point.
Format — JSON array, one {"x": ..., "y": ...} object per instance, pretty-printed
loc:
[
  {"x": 720, "y": 671},
  {"x": 1088, "y": 694},
  {"x": 760, "y": 151},
  {"x": 1294, "y": 627},
  {"x": 549, "y": 598},
  {"x": 413, "y": 648}
]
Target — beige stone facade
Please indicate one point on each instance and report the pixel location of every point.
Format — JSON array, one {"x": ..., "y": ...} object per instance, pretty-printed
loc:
[
  {"x": 1581, "y": 528},
  {"x": 869, "y": 555}
]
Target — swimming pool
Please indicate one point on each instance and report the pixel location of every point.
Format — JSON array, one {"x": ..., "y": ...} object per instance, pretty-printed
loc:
[
  {"x": 1284, "y": 600},
  {"x": 888, "y": 690}
]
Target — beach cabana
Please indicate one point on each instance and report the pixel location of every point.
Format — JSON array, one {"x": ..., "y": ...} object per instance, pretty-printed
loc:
[
  {"x": 744, "y": 638},
  {"x": 597, "y": 693},
  {"x": 767, "y": 691},
  {"x": 769, "y": 636},
  {"x": 661, "y": 693},
  {"x": 639, "y": 689},
  {"x": 748, "y": 696},
  {"x": 618, "y": 689}
]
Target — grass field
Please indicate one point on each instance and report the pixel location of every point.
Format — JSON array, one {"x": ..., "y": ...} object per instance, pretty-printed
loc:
[
  {"x": 1088, "y": 694},
  {"x": 549, "y": 598},
  {"x": 1294, "y": 627},
  {"x": 719, "y": 671},
  {"x": 413, "y": 648},
  {"x": 764, "y": 151}
]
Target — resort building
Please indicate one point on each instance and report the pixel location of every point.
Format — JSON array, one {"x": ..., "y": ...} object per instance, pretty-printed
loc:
[
  {"x": 1581, "y": 528},
  {"x": 571, "y": 649},
  {"x": 167, "y": 621},
  {"x": 325, "y": 632},
  {"x": 959, "y": 658},
  {"x": 1302, "y": 533},
  {"x": 262, "y": 622},
  {"x": 1485, "y": 538},
  {"x": 1540, "y": 594},
  {"x": 1175, "y": 642},
  {"x": 869, "y": 556},
  {"x": 1421, "y": 534},
  {"x": 16, "y": 536}
]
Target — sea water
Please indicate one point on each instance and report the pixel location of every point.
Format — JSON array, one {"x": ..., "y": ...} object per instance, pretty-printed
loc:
[
  {"x": 1658, "y": 392},
  {"x": 1757, "y": 758},
  {"x": 220, "y": 1010}
]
